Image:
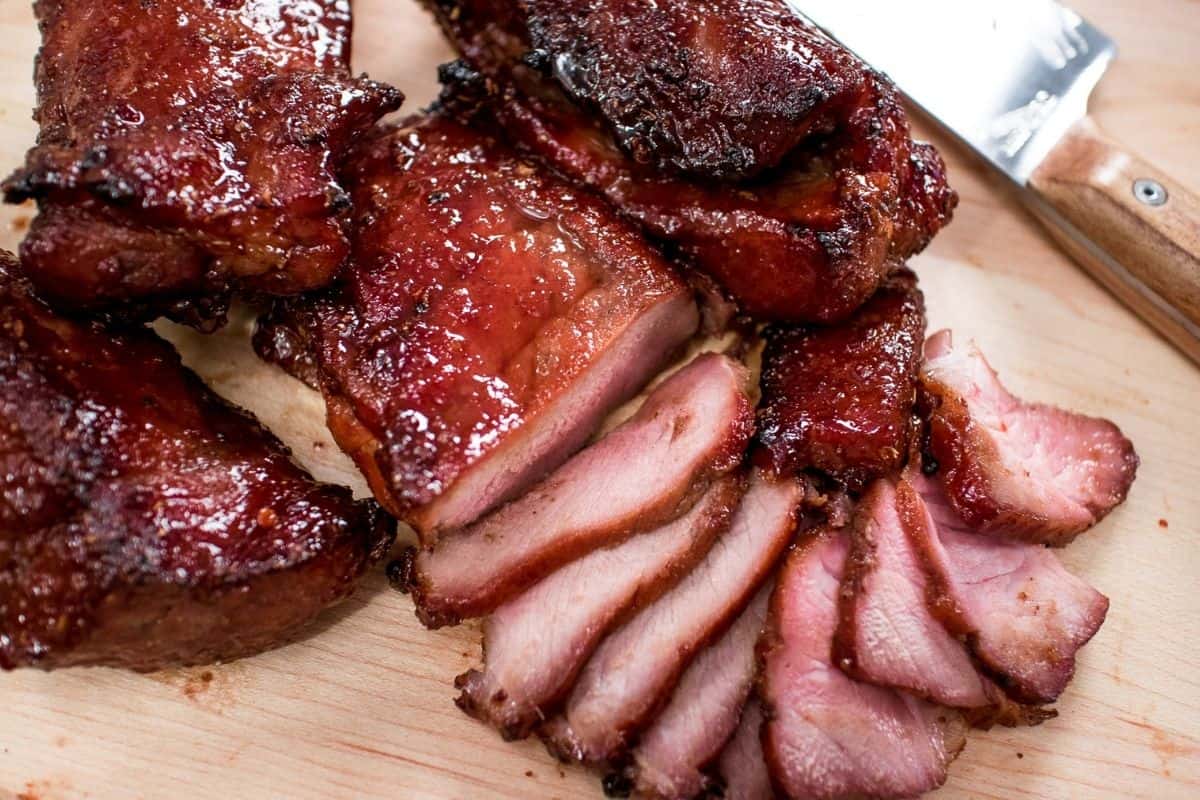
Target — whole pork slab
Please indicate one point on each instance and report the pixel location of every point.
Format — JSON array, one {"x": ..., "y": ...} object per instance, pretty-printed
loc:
[
  {"x": 491, "y": 318},
  {"x": 1024, "y": 470},
  {"x": 144, "y": 522},
  {"x": 188, "y": 148}
]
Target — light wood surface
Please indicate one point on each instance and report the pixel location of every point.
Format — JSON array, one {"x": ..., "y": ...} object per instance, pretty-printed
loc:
[{"x": 362, "y": 707}]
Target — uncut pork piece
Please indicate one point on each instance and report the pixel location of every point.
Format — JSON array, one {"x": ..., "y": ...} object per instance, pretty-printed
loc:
[
  {"x": 692, "y": 429},
  {"x": 1023, "y": 614},
  {"x": 144, "y": 522},
  {"x": 535, "y": 644},
  {"x": 1024, "y": 470},
  {"x": 670, "y": 108},
  {"x": 190, "y": 147},
  {"x": 840, "y": 399},
  {"x": 633, "y": 672},
  {"x": 827, "y": 735},
  {"x": 704, "y": 711},
  {"x": 491, "y": 318}
]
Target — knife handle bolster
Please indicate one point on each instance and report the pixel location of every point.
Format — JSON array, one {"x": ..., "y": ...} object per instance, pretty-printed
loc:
[{"x": 1135, "y": 229}]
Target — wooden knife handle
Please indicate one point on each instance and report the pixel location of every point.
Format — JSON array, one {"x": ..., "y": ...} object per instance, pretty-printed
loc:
[{"x": 1136, "y": 230}]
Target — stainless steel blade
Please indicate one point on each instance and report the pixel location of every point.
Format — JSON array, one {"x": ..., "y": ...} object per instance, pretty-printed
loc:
[{"x": 1008, "y": 77}]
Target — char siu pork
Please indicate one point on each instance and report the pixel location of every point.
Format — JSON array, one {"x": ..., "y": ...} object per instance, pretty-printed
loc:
[
  {"x": 840, "y": 399},
  {"x": 827, "y": 735},
  {"x": 1023, "y": 615},
  {"x": 691, "y": 430},
  {"x": 491, "y": 318},
  {"x": 634, "y": 671},
  {"x": 704, "y": 711},
  {"x": 535, "y": 645},
  {"x": 144, "y": 521},
  {"x": 1024, "y": 470},
  {"x": 741, "y": 768},
  {"x": 731, "y": 130},
  {"x": 190, "y": 147}
]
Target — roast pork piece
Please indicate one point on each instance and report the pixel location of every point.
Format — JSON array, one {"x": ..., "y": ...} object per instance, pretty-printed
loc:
[
  {"x": 732, "y": 130},
  {"x": 1024, "y": 616},
  {"x": 634, "y": 671},
  {"x": 491, "y": 318},
  {"x": 1018, "y": 469},
  {"x": 191, "y": 147},
  {"x": 144, "y": 522},
  {"x": 535, "y": 644},
  {"x": 840, "y": 399},
  {"x": 691, "y": 430},
  {"x": 828, "y": 735},
  {"x": 672, "y": 755}
]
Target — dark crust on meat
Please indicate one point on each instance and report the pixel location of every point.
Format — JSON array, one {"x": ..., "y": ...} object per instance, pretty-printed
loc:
[
  {"x": 457, "y": 274},
  {"x": 809, "y": 240},
  {"x": 183, "y": 153},
  {"x": 144, "y": 522},
  {"x": 841, "y": 399}
]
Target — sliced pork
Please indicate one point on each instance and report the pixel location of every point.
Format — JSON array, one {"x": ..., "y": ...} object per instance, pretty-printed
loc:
[
  {"x": 829, "y": 736},
  {"x": 535, "y": 645},
  {"x": 693, "y": 428},
  {"x": 491, "y": 318},
  {"x": 1023, "y": 614},
  {"x": 840, "y": 399},
  {"x": 631, "y": 675},
  {"x": 1025, "y": 470},
  {"x": 703, "y": 713},
  {"x": 742, "y": 769},
  {"x": 887, "y": 634}
]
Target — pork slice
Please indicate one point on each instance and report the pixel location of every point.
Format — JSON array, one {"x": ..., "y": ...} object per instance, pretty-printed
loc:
[
  {"x": 535, "y": 644},
  {"x": 1026, "y": 470},
  {"x": 1023, "y": 614},
  {"x": 741, "y": 768},
  {"x": 633, "y": 672},
  {"x": 827, "y": 735},
  {"x": 703, "y": 713},
  {"x": 887, "y": 634},
  {"x": 693, "y": 428}
]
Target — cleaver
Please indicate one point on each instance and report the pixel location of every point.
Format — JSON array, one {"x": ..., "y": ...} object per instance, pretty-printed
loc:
[{"x": 1011, "y": 80}]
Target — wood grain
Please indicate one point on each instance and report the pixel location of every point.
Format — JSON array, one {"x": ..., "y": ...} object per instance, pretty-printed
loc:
[
  {"x": 1147, "y": 255},
  {"x": 362, "y": 706}
]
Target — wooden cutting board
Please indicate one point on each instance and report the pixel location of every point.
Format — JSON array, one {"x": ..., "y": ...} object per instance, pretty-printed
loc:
[{"x": 362, "y": 706}]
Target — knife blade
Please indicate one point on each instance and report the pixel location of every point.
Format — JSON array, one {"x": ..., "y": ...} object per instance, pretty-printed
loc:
[{"x": 1012, "y": 81}]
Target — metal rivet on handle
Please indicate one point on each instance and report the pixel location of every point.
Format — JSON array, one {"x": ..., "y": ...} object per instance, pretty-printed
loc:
[{"x": 1149, "y": 191}]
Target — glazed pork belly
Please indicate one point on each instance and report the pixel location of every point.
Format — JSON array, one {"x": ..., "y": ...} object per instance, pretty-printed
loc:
[
  {"x": 732, "y": 131},
  {"x": 741, "y": 768},
  {"x": 841, "y": 399},
  {"x": 144, "y": 522},
  {"x": 828, "y": 735},
  {"x": 691, "y": 430},
  {"x": 535, "y": 645},
  {"x": 1024, "y": 470},
  {"x": 492, "y": 317},
  {"x": 188, "y": 148},
  {"x": 703, "y": 713},
  {"x": 632, "y": 674},
  {"x": 1024, "y": 616}
]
